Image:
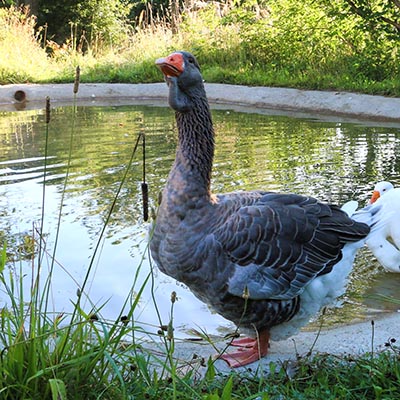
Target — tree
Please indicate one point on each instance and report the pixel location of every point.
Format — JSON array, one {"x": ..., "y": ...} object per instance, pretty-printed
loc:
[
  {"x": 384, "y": 13},
  {"x": 377, "y": 16}
]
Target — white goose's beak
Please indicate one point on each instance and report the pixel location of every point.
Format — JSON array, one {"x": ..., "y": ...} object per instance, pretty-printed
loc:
[{"x": 375, "y": 196}]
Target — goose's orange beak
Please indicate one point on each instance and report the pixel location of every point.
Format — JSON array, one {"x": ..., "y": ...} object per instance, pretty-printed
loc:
[
  {"x": 375, "y": 196},
  {"x": 173, "y": 65}
]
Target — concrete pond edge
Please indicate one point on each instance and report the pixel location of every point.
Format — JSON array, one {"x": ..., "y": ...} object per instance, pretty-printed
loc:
[{"x": 279, "y": 100}]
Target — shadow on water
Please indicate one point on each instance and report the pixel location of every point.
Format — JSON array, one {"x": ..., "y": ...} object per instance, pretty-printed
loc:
[{"x": 334, "y": 161}]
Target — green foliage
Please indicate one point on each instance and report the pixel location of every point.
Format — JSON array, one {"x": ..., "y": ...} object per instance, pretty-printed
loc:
[
  {"x": 3, "y": 258},
  {"x": 301, "y": 37},
  {"x": 58, "y": 389},
  {"x": 377, "y": 17},
  {"x": 103, "y": 21},
  {"x": 377, "y": 25},
  {"x": 90, "y": 24}
]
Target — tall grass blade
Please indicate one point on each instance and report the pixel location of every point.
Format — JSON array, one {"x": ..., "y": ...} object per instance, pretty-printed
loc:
[
  {"x": 227, "y": 392},
  {"x": 3, "y": 258},
  {"x": 58, "y": 389}
]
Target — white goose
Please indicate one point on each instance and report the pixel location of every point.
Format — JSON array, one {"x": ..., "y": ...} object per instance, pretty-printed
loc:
[{"x": 384, "y": 240}]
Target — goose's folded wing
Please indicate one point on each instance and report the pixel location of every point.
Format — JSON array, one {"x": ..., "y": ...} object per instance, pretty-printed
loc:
[{"x": 281, "y": 242}]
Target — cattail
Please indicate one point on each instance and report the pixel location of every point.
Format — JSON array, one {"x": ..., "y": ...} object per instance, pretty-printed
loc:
[
  {"x": 145, "y": 199},
  {"x": 77, "y": 79},
  {"x": 145, "y": 188},
  {"x": 246, "y": 293},
  {"x": 173, "y": 297},
  {"x": 47, "y": 109}
]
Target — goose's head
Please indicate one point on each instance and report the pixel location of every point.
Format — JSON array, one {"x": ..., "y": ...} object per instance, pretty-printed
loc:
[
  {"x": 182, "y": 66},
  {"x": 379, "y": 190}
]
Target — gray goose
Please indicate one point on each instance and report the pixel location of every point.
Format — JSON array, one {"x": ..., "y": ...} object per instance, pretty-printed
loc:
[{"x": 265, "y": 261}]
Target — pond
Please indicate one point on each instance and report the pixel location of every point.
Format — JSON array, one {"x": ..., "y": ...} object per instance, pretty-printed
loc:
[{"x": 77, "y": 171}]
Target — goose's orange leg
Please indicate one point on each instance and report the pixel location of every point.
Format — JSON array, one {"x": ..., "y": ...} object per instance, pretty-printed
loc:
[{"x": 250, "y": 350}]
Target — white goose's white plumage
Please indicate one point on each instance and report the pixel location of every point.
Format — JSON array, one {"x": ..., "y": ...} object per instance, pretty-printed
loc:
[{"x": 384, "y": 239}]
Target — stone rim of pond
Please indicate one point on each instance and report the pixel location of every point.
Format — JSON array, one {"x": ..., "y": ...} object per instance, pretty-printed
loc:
[{"x": 332, "y": 104}]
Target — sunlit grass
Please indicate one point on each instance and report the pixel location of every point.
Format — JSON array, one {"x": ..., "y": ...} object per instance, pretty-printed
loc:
[{"x": 22, "y": 58}]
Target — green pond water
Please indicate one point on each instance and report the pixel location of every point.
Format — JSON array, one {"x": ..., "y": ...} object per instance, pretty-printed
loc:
[{"x": 333, "y": 161}]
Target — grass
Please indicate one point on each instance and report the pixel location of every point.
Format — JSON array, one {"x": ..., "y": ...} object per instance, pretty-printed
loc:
[{"x": 23, "y": 59}]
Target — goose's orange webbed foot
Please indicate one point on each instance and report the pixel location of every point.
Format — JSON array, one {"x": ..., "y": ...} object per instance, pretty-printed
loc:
[{"x": 249, "y": 350}]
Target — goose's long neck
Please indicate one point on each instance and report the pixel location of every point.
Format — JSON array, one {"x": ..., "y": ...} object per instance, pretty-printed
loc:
[{"x": 193, "y": 164}]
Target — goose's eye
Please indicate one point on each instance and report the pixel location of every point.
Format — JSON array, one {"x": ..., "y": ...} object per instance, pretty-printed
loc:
[{"x": 191, "y": 60}]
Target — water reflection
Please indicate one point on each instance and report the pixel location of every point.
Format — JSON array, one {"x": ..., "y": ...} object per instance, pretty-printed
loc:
[{"x": 330, "y": 160}]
